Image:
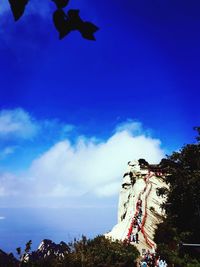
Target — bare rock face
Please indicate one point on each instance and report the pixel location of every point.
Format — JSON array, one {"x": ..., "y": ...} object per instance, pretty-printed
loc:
[{"x": 139, "y": 208}]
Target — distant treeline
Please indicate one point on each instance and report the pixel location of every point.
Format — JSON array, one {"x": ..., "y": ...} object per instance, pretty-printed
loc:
[{"x": 97, "y": 252}]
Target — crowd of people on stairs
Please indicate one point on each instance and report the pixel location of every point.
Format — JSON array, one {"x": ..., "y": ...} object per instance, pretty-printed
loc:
[
  {"x": 137, "y": 222},
  {"x": 151, "y": 260}
]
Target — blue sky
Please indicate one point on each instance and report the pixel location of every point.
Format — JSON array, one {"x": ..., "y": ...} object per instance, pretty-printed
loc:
[
  {"x": 74, "y": 103},
  {"x": 144, "y": 66}
]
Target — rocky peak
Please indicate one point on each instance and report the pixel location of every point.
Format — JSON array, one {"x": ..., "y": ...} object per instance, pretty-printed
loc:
[
  {"x": 139, "y": 208},
  {"x": 47, "y": 249}
]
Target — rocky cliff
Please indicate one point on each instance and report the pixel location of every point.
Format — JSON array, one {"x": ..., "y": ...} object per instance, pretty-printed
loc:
[{"x": 139, "y": 208}]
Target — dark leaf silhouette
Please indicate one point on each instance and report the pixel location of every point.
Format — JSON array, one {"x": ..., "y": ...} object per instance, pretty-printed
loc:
[
  {"x": 18, "y": 7},
  {"x": 74, "y": 18},
  {"x": 61, "y": 3},
  {"x": 65, "y": 23},
  {"x": 61, "y": 23},
  {"x": 88, "y": 29}
]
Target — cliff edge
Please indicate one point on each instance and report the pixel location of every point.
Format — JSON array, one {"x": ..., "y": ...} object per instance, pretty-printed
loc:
[{"x": 139, "y": 209}]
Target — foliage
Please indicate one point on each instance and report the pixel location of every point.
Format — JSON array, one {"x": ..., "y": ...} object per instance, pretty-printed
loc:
[
  {"x": 28, "y": 246},
  {"x": 161, "y": 191},
  {"x": 8, "y": 260},
  {"x": 182, "y": 207},
  {"x": 97, "y": 252},
  {"x": 63, "y": 22},
  {"x": 18, "y": 251},
  {"x": 143, "y": 162}
]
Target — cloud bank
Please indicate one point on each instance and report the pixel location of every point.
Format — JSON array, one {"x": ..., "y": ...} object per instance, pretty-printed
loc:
[
  {"x": 87, "y": 167},
  {"x": 17, "y": 123},
  {"x": 91, "y": 167}
]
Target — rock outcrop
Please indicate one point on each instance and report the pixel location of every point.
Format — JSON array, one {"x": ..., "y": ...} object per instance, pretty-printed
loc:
[
  {"x": 139, "y": 209},
  {"x": 47, "y": 250}
]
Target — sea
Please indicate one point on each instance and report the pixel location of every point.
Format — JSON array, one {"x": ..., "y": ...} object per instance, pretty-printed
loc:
[{"x": 19, "y": 225}]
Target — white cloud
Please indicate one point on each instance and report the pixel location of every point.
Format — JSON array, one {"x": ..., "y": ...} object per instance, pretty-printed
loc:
[
  {"x": 108, "y": 190},
  {"x": 17, "y": 123},
  {"x": 131, "y": 126},
  {"x": 88, "y": 167},
  {"x": 7, "y": 151}
]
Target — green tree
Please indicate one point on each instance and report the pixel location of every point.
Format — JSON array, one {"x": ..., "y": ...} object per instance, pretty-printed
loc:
[
  {"x": 28, "y": 246},
  {"x": 101, "y": 251},
  {"x": 182, "y": 207},
  {"x": 19, "y": 251},
  {"x": 97, "y": 252}
]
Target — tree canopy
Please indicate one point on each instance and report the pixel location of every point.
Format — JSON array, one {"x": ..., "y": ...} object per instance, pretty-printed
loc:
[
  {"x": 182, "y": 207},
  {"x": 97, "y": 252}
]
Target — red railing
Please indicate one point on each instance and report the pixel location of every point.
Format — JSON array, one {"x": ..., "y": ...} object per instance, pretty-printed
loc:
[
  {"x": 144, "y": 221},
  {"x": 146, "y": 179}
]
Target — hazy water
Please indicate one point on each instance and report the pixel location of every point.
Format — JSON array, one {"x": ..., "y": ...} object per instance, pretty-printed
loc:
[{"x": 21, "y": 225}]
